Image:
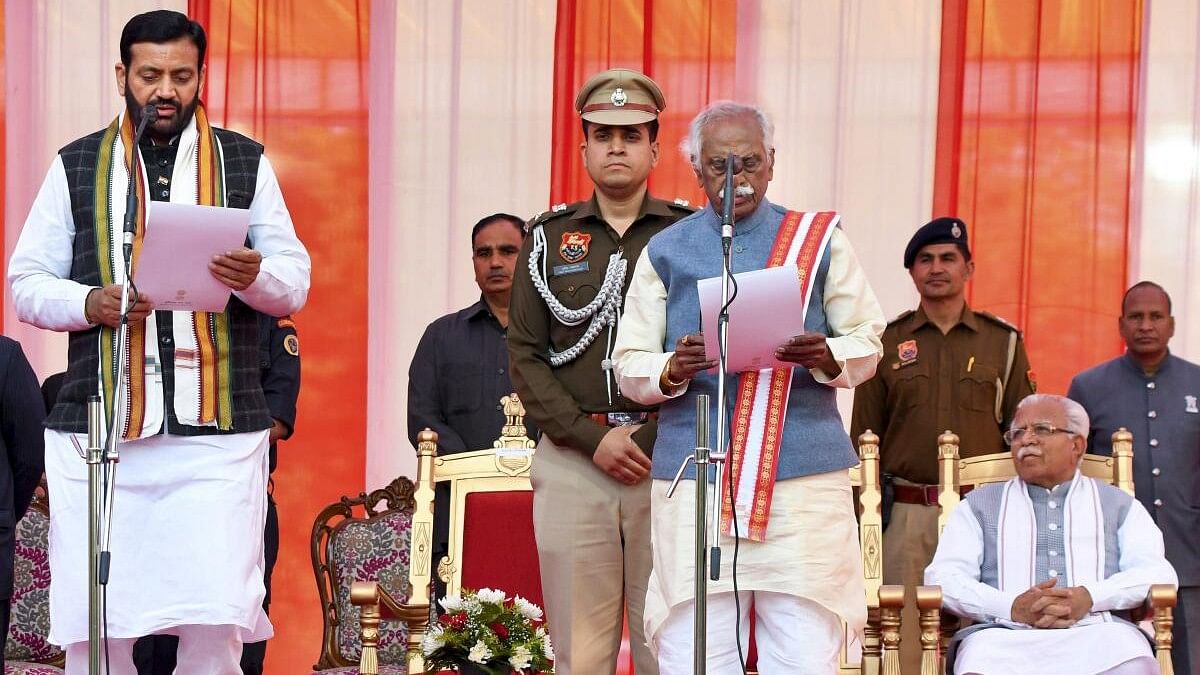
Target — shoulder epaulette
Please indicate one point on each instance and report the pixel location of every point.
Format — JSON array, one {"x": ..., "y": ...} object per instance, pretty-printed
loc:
[
  {"x": 681, "y": 204},
  {"x": 554, "y": 212},
  {"x": 997, "y": 320},
  {"x": 903, "y": 315}
]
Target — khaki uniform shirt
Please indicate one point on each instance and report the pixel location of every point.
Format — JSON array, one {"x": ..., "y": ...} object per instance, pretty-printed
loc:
[
  {"x": 560, "y": 399},
  {"x": 928, "y": 383}
]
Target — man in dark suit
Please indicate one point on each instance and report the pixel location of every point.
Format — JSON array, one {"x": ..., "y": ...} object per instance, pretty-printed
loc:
[{"x": 21, "y": 415}]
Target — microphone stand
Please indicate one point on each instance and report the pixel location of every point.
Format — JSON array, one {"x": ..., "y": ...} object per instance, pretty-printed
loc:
[
  {"x": 101, "y": 458},
  {"x": 709, "y": 566}
]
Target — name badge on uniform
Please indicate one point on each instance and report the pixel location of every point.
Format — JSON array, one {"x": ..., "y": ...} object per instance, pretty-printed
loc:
[
  {"x": 1190, "y": 403},
  {"x": 560, "y": 270},
  {"x": 907, "y": 353}
]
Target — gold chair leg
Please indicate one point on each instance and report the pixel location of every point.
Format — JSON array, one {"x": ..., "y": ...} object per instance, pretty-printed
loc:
[{"x": 872, "y": 651}]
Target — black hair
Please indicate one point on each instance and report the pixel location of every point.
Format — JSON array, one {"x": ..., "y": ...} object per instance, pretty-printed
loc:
[
  {"x": 651, "y": 128},
  {"x": 159, "y": 26},
  {"x": 1145, "y": 284},
  {"x": 495, "y": 218}
]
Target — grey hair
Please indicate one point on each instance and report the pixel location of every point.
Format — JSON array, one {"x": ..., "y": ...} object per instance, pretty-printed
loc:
[
  {"x": 1078, "y": 422},
  {"x": 723, "y": 110}
]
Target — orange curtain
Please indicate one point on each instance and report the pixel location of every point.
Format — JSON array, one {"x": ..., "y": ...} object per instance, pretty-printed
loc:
[
  {"x": 686, "y": 46},
  {"x": 1035, "y": 151},
  {"x": 293, "y": 76},
  {"x": 3, "y": 152}
]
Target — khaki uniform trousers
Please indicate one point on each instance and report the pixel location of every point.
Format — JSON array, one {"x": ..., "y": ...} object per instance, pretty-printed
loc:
[
  {"x": 593, "y": 538},
  {"x": 908, "y": 546}
]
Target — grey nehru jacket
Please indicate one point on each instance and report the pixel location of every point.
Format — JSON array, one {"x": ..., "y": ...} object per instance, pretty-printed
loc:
[{"x": 1163, "y": 413}]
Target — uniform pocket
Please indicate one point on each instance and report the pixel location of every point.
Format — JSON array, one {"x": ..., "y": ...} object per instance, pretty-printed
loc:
[
  {"x": 980, "y": 388},
  {"x": 911, "y": 387}
]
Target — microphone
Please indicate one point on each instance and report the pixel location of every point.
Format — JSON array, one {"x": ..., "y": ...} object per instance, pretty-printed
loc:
[
  {"x": 733, "y": 166},
  {"x": 149, "y": 113}
]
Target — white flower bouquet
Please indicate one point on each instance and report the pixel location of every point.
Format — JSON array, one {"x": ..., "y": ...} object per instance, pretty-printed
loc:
[{"x": 490, "y": 632}]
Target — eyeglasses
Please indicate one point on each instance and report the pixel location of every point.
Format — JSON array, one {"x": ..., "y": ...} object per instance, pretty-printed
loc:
[
  {"x": 748, "y": 164},
  {"x": 1039, "y": 429}
]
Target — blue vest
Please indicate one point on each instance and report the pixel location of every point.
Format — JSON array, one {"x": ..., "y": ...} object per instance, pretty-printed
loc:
[{"x": 814, "y": 440}]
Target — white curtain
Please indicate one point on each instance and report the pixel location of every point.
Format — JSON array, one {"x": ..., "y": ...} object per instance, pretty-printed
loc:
[
  {"x": 1165, "y": 246},
  {"x": 60, "y": 84},
  {"x": 460, "y": 128},
  {"x": 852, "y": 88}
]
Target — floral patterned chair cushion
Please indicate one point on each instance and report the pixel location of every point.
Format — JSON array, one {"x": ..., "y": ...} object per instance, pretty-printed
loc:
[
  {"x": 375, "y": 549},
  {"x": 29, "y": 623},
  {"x": 362, "y": 538},
  {"x": 26, "y": 668}
]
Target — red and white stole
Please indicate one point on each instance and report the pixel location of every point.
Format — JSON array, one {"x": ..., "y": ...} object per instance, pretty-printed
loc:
[{"x": 760, "y": 410}]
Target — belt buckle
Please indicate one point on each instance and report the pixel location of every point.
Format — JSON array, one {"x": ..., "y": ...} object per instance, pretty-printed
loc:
[
  {"x": 624, "y": 418},
  {"x": 931, "y": 495}
]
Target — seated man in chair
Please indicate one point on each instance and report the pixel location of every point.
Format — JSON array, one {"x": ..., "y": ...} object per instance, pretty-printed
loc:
[{"x": 1049, "y": 549}]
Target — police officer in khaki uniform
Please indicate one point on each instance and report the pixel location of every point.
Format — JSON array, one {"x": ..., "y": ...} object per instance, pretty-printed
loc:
[
  {"x": 945, "y": 366},
  {"x": 591, "y": 484}
]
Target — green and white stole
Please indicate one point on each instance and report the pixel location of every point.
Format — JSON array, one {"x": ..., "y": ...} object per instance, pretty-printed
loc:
[{"x": 202, "y": 369}]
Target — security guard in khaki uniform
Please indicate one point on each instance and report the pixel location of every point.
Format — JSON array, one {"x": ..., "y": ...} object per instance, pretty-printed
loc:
[
  {"x": 945, "y": 366},
  {"x": 591, "y": 505}
]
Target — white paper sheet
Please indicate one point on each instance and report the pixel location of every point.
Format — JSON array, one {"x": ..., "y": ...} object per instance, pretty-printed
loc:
[
  {"x": 181, "y": 239},
  {"x": 767, "y": 312}
]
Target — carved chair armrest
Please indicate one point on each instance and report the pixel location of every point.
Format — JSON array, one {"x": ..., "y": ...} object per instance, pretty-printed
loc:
[
  {"x": 376, "y": 604},
  {"x": 891, "y": 602},
  {"x": 1160, "y": 603},
  {"x": 929, "y": 608}
]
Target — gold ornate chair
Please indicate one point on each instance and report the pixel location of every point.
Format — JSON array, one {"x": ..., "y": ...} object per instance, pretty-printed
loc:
[
  {"x": 881, "y": 637},
  {"x": 365, "y": 537},
  {"x": 491, "y": 542},
  {"x": 937, "y": 629}
]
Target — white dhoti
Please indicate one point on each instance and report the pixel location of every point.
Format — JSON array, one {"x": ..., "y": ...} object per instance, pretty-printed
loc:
[
  {"x": 811, "y": 551},
  {"x": 187, "y": 542},
  {"x": 1090, "y": 649}
]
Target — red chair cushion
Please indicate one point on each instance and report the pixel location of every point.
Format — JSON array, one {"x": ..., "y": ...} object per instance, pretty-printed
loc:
[{"x": 499, "y": 550}]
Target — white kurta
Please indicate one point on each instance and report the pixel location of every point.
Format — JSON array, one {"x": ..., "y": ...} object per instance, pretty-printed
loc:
[
  {"x": 1093, "y": 645},
  {"x": 187, "y": 536},
  {"x": 188, "y": 517},
  {"x": 811, "y": 548}
]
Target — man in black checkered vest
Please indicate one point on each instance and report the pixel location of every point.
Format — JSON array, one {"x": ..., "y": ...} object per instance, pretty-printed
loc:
[{"x": 190, "y": 503}]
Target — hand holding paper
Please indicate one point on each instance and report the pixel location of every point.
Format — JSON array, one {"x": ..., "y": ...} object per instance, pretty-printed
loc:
[
  {"x": 768, "y": 313},
  {"x": 810, "y": 351},
  {"x": 236, "y": 269},
  {"x": 193, "y": 255},
  {"x": 103, "y": 306},
  {"x": 689, "y": 358}
]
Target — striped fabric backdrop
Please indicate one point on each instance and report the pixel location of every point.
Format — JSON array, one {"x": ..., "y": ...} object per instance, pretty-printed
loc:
[{"x": 1064, "y": 131}]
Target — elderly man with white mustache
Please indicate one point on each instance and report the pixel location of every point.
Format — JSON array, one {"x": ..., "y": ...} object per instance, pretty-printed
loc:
[
  {"x": 1050, "y": 549},
  {"x": 798, "y": 558}
]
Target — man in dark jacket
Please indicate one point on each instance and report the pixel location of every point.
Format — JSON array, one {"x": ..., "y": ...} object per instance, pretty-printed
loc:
[{"x": 21, "y": 415}]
